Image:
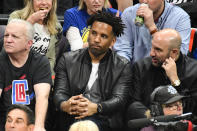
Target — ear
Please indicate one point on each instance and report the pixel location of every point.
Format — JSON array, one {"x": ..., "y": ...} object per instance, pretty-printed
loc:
[
  {"x": 29, "y": 44},
  {"x": 113, "y": 41},
  {"x": 174, "y": 53},
  {"x": 31, "y": 127}
]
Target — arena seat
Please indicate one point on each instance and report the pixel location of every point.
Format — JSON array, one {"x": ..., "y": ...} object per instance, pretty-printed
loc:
[{"x": 193, "y": 44}]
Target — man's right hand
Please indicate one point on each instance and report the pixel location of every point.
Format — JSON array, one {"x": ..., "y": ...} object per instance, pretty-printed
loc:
[
  {"x": 145, "y": 12},
  {"x": 37, "y": 16},
  {"x": 70, "y": 106}
]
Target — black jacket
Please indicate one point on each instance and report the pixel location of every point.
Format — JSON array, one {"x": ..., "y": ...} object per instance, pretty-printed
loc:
[
  {"x": 147, "y": 77},
  {"x": 114, "y": 75}
]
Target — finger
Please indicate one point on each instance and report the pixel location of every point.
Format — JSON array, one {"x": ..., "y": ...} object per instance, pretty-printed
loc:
[
  {"x": 118, "y": 14},
  {"x": 83, "y": 104}
]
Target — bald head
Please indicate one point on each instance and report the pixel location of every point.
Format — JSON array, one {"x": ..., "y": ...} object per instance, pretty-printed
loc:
[{"x": 170, "y": 36}]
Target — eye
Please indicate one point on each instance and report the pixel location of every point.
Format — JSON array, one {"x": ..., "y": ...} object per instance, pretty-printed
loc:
[
  {"x": 9, "y": 120},
  {"x": 104, "y": 36},
  {"x": 94, "y": 33}
]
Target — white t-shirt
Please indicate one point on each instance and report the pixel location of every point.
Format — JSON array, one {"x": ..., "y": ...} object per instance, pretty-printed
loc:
[
  {"x": 41, "y": 39},
  {"x": 93, "y": 75}
]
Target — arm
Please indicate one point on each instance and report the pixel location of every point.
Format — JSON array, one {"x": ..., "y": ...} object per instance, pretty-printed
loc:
[
  {"x": 74, "y": 38},
  {"x": 184, "y": 28},
  {"x": 0, "y": 92},
  {"x": 124, "y": 44},
  {"x": 42, "y": 94},
  {"x": 61, "y": 91},
  {"x": 120, "y": 92}
]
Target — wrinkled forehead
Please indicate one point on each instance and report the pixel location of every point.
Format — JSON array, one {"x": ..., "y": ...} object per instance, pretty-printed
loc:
[{"x": 16, "y": 28}]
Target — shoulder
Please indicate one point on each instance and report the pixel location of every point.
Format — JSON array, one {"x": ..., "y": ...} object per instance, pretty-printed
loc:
[
  {"x": 190, "y": 62},
  {"x": 73, "y": 10},
  {"x": 15, "y": 14},
  {"x": 143, "y": 64},
  {"x": 38, "y": 59},
  {"x": 176, "y": 10},
  {"x": 2, "y": 56},
  {"x": 73, "y": 56},
  {"x": 120, "y": 59}
]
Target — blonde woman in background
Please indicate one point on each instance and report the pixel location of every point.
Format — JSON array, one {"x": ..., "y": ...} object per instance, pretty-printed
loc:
[
  {"x": 85, "y": 125},
  {"x": 75, "y": 27},
  {"x": 42, "y": 14}
]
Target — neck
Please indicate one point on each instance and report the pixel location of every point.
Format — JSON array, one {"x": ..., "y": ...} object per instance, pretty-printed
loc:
[
  {"x": 96, "y": 59},
  {"x": 159, "y": 12},
  {"x": 18, "y": 60}
]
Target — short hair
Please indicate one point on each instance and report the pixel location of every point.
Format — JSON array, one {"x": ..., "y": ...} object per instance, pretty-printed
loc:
[
  {"x": 108, "y": 18},
  {"x": 86, "y": 125},
  {"x": 27, "y": 110},
  {"x": 29, "y": 27},
  {"x": 82, "y": 4}
]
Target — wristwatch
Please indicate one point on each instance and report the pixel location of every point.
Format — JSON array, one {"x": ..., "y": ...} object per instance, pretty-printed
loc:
[
  {"x": 176, "y": 83},
  {"x": 99, "y": 108}
]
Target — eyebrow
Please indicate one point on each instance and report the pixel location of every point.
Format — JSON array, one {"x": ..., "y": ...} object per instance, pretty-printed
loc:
[{"x": 18, "y": 118}]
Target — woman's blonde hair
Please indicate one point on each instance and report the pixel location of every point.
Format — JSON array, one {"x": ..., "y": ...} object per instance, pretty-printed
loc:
[
  {"x": 51, "y": 19},
  {"x": 85, "y": 125},
  {"x": 82, "y": 4}
]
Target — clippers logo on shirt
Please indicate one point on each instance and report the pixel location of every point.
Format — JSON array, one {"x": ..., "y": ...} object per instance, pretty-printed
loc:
[{"x": 19, "y": 96}]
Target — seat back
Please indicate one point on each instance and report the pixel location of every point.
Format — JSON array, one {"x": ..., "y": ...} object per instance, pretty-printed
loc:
[
  {"x": 193, "y": 44},
  {"x": 2, "y": 30}
]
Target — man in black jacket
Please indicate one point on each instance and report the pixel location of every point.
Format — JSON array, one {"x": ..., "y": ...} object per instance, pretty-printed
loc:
[
  {"x": 93, "y": 83},
  {"x": 166, "y": 65}
]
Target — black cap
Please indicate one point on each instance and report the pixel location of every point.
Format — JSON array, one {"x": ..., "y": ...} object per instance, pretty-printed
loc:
[{"x": 165, "y": 95}]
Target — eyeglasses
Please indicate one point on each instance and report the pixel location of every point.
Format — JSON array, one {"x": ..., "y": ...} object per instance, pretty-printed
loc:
[{"x": 175, "y": 106}]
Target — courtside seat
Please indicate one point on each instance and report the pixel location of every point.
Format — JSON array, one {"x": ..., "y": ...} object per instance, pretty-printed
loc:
[{"x": 193, "y": 44}]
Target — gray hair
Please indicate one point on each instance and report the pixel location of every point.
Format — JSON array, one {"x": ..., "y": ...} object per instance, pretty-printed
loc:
[{"x": 29, "y": 27}]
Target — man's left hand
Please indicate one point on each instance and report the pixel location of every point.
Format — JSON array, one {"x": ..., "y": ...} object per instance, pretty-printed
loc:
[
  {"x": 86, "y": 108},
  {"x": 170, "y": 68}
]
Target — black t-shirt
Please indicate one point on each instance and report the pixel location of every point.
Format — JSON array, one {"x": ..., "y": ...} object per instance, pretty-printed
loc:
[{"x": 17, "y": 83}]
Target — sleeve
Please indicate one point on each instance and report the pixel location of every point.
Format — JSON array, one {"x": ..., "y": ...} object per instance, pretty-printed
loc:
[
  {"x": 1, "y": 79},
  {"x": 14, "y": 15},
  {"x": 69, "y": 20},
  {"x": 119, "y": 93},
  {"x": 135, "y": 91},
  {"x": 74, "y": 38},
  {"x": 184, "y": 28},
  {"x": 42, "y": 72},
  {"x": 124, "y": 43},
  {"x": 61, "y": 90}
]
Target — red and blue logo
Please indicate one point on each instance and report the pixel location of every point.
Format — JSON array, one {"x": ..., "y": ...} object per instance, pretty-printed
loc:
[{"x": 19, "y": 95}]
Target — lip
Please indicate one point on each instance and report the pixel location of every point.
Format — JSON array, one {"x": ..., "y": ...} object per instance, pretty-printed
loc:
[
  {"x": 154, "y": 60},
  {"x": 43, "y": 8},
  {"x": 97, "y": 6},
  {"x": 8, "y": 46}
]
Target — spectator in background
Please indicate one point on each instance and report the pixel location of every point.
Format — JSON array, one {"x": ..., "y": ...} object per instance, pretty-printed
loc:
[
  {"x": 75, "y": 26},
  {"x": 25, "y": 76},
  {"x": 8, "y": 6},
  {"x": 42, "y": 14},
  {"x": 19, "y": 118},
  {"x": 135, "y": 44},
  {"x": 97, "y": 72},
  {"x": 85, "y": 125},
  {"x": 121, "y": 4},
  {"x": 166, "y": 65}
]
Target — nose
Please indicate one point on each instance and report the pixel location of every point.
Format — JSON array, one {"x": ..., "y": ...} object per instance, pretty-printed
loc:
[
  {"x": 152, "y": 53},
  {"x": 8, "y": 38},
  {"x": 97, "y": 39},
  {"x": 12, "y": 124}
]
